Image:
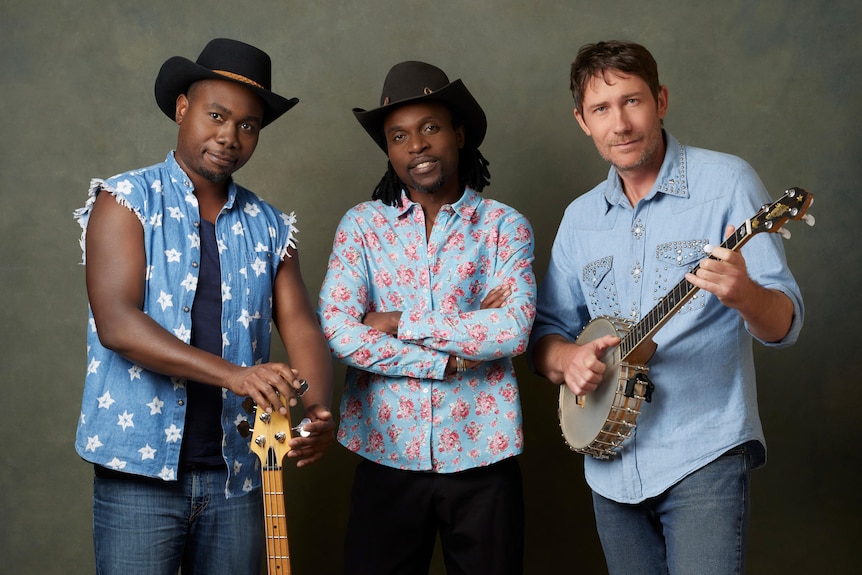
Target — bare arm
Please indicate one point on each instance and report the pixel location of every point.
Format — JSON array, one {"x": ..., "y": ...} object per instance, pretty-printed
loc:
[
  {"x": 308, "y": 354},
  {"x": 116, "y": 279}
]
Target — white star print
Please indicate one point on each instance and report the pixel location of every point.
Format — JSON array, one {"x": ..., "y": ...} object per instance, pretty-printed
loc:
[
  {"x": 195, "y": 240},
  {"x": 245, "y": 318},
  {"x": 259, "y": 267},
  {"x": 147, "y": 452},
  {"x": 173, "y": 255},
  {"x": 165, "y": 300},
  {"x": 135, "y": 372},
  {"x": 124, "y": 420},
  {"x": 125, "y": 187},
  {"x": 221, "y": 246},
  {"x": 183, "y": 333},
  {"x": 157, "y": 186},
  {"x": 105, "y": 401},
  {"x": 167, "y": 474},
  {"x": 93, "y": 443},
  {"x": 252, "y": 209},
  {"x": 225, "y": 292},
  {"x": 175, "y": 213},
  {"x": 237, "y": 229},
  {"x": 116, "y": 464},
  {"x": 156, "y": 405},
  {"x": 190, "y": 283},
  {"x": 173, "y": 434},
  {"x": 156, "y": 220},
  {"x": 94, "y": 366},
  {"x": 260, "y": 247}
]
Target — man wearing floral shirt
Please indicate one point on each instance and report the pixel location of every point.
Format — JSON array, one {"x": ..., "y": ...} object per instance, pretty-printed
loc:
[{"x": 429, "y": 294}]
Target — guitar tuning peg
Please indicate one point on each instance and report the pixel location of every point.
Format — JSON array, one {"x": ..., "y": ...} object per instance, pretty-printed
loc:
[
  {"x": 244, "y": 428},
  {"x": 785, "y": 233},
  {"x": 300, "y": 429},
  {"x": 808, "y": 219},
  {"x": 248, "y": 405}
]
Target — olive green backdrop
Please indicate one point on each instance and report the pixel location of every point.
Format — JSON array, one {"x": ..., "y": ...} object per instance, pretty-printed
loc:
[{"x": 776, "y": 82}]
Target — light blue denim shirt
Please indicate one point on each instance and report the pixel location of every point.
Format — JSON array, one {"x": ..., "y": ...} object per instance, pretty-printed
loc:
[
  {"x": 132, "y": 419},
  {"x": 610, "y": 258},
  {"x": 399, "y": 408}
]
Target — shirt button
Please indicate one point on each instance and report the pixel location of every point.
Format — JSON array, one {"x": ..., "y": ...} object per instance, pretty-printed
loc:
[
  {"x": 194, "y": 264},
  {"x": 181, "y": 402},
  {"x": 186, "y": 309}
]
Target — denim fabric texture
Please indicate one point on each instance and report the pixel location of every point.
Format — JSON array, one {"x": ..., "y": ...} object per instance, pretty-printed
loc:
[
  {"x": 610, "y": 258},
  {"x": 148, "y": 526}
]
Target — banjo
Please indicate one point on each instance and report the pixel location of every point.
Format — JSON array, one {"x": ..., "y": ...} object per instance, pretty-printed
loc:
[{"x": 597, "y": 424}]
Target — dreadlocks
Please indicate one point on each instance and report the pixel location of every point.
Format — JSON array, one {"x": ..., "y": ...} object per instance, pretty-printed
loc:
[{"x": 472, "y": 173}]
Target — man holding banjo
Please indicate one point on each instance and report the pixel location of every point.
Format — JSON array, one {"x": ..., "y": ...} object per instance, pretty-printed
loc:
[{"x": 673, "y": 497}]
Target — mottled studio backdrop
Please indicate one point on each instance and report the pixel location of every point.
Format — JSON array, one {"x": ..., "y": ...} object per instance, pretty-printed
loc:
[{"x": 776, "y": 82}]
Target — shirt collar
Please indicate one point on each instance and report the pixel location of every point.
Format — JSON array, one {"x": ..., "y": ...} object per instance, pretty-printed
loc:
[
  {"x": 179, "y": 176},
  {"x": 466, "y": 206},
  {"x": 671, "y": 178}
]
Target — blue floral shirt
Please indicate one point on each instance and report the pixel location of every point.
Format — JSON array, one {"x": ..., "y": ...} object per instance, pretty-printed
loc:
[
  {"x": 399, "y": 409},
  {"x": 132, "y": 419},
  {"x": 612, "y": 259}
]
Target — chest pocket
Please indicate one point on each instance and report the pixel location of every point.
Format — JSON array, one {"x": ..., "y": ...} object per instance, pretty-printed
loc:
[
  {"x": 600, "y": 287},
  {"x": 674, "y": 260}
]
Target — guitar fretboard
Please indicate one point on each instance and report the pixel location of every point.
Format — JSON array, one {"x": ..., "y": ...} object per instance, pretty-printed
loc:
[{"x": 644, "y": 329}]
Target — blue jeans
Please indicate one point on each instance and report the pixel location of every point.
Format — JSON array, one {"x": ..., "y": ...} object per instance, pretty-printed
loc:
[
  {"x": 152, "y": 527},
  {"x": 700, "y": 525}
]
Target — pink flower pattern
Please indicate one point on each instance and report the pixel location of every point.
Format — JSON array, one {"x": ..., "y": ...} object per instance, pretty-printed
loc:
[{"x": 399, "y": 408}]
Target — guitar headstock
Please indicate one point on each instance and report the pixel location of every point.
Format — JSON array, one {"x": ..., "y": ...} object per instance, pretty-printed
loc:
[
  {"x": 269, "y": 433},
  {"x": 792, "y": 205}
]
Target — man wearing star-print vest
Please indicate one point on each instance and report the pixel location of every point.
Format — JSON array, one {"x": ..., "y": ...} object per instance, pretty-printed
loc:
[{"x": 186, "y": 271}]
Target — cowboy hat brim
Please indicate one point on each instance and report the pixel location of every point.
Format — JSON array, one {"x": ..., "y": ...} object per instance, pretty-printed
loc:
[
  {"x": 178, "y": 73},
  {"x": 455, "y": 95}
]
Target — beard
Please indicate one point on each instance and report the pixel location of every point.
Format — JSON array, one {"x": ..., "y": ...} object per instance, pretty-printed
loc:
[
  {"x": 428, "y": 189},
  {"x": 653, "y": 146}
]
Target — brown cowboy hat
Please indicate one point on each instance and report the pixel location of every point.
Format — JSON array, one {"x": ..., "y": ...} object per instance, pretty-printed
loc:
[
  {"x": 222, "y": 59},
  {"x": 412, "y": 81}
]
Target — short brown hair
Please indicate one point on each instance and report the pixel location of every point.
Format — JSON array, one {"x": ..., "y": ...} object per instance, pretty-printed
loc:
[{"x": 596, "y": 60}]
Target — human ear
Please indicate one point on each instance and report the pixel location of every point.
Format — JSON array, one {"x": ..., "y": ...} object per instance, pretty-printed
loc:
[
  {"x": 181, "y": 109},
  {"x": 581, "y": 123}
]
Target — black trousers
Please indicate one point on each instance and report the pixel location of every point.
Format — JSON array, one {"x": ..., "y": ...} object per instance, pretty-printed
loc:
[{"x": 395, "y": 516}]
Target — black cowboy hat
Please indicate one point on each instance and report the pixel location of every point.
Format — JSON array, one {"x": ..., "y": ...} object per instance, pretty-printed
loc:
[
  {"x": 410, "y": 82},
  {"x": 222, "y": 59}
]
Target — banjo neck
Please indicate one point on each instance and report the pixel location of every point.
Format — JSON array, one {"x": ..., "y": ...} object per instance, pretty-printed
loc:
[{"x": 637, "y": 343}]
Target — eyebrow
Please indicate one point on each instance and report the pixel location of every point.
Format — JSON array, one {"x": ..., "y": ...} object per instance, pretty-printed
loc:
[
  {"x": 228, "y": 112},
  {"x": 626, "y": 96},
  {"x": 422, "y": 121}
]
